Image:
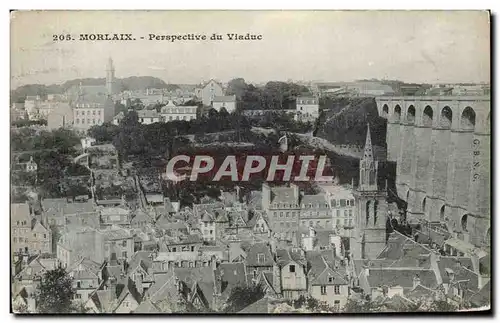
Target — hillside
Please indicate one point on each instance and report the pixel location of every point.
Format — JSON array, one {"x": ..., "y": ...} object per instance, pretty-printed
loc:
[
  {"x": 132, "y": 83},
  {"x": 345, "y": 122}
]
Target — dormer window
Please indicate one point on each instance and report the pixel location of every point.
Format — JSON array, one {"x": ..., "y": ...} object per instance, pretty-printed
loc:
[{"x": 261, "y": 258}]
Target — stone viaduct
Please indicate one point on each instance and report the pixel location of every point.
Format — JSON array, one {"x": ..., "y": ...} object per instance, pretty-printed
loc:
[{"x": 441, "y": 146}]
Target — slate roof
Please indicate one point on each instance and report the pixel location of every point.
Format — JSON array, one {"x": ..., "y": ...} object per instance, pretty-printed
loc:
[
  {"x": 401, "y": 277},
  {"x": 262, "y": 306},
  {"x": 259, "y": 248},
  {"x": 285, "y": 256},
  {"x": 233, "y": 273},
  {"x": 147, "y": 307},
  {"x": 284, "y": 195},
  {"x": 482, "y": 297},
  {"x": 448, "y": 266},
  {"x": 317, "y": 201}
]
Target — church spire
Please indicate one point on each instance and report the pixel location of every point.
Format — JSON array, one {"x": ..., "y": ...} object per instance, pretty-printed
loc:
[
  {"x": 368, "y": 167},
  {"x": 368, "y": 153}
]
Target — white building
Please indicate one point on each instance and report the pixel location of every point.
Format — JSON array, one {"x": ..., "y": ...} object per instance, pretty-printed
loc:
[
  {"x": 208, "y": 92},
  {"x": 341, "y": 201},
  {"x": 172, "y": 112},
  {"x": 148, "y": 116},
  {"x": 226, "y": 102},
  {"x": 307, "y": 109}
]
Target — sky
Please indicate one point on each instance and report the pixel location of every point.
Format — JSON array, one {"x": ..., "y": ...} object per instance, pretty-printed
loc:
[{"x": 412, "y": 46}]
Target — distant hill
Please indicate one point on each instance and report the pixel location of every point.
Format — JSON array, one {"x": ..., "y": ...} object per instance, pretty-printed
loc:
[{"x": 132, "y": 83}]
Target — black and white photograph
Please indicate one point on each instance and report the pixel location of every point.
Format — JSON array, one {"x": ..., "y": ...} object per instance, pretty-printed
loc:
[{"x": 250, "y": 162}]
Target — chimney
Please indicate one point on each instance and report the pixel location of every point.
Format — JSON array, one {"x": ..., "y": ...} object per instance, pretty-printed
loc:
[{"x": 416, "y": 281}]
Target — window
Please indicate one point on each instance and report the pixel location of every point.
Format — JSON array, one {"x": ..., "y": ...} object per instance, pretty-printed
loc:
[
  {"x": 77, "y": 121},
  {"x": 292, "y": 268},
  {"x": 93, "y": 112},
  {"x": 15, "y": 239},
  {"x": 281, "y": 214},
  {"x": 336, "y": 289},
  {"x": 83, "y": 121},
  {"x": 352, "y": 202},
  {"x": 124, "y": 254},
  {"x": 338, "y": 213},
  {"x": 287, "y": 214},
  {"x": 261, "y": 258},
  {"x": 78, "y": 284},
  {"x": 346, "y": 213},
  {"x": 211, "y": 231},
  {"x": 124, "y": 243},
  {"x": 78, "y": 296},
  {"x": 98, "y": 112},
  {"x": 323, "y": 290},
  {"x": 342, "y": 203},
  {"x": 88, "y": 112},
  {"x": 330, "y": 279},
  {"x": 192, "y": 248},
  {"x": 34, "y": 235},
  {"x": 350, "y": 212},
  {"x": 174, "y": 249}
]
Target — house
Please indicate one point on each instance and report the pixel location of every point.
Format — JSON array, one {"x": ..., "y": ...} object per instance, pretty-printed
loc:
[
  {"x": 342, "y": 204},
  {"x": 120, "y": 216},
  {"x": 390, "y": 281},
  {"x": 213, "y": 223},
  {"x": 172, "y": 112},
  {"x": 315, "y": 212},
  {"x": 282, "y": 207},
  {"x": 77, "y": 243},
  {"x": 224, "y": 102},
  {"x": 291, "y": 273},
  {"x": 141, "y": 219},
  {"x": 259, "y": 259},
  {"x": 139, "y": 270},
  {"x": 128, "y": 300},
  {"x": 307, "y": 108},
  {"x": 41, "y": 238},
  {"x": 327, "y": 279},
  {"x": 118, "y": 243},
  {"x": 182, "y": 243},
  {"x": 148, "y": 116},
  {"x": 87, "y": 277},
  {"x": 20, "y": 221},
  {"x": 209, "y": 91},
  {"x": 259, "y": 224}
]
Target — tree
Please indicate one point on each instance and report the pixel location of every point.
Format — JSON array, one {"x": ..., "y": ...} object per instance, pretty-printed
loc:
[
  {"x": 241, "y": 297},
  {"x": 55, "y": 292}
]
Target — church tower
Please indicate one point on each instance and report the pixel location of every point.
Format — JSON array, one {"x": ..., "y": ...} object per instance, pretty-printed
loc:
[
  {"x": 369, "y": 237},
  {"x": 110, "y": 77}
]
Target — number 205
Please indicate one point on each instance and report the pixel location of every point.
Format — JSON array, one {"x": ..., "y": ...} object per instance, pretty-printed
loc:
[{"x": 61, "y": 37}]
